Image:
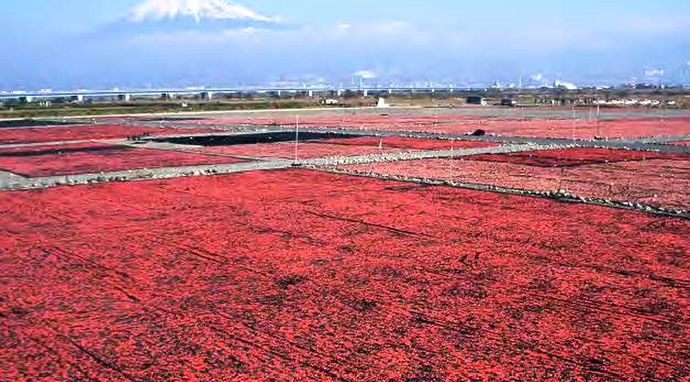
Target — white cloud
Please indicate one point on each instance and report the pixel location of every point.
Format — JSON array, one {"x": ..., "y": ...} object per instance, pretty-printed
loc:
[
  {"x": 376, "y": 29},
  {"x": 343, "y": 29},
  {"x": 366, "y": 74},
  {"x": 652, "y": 73},
  {"x": 391, "y": 26}
]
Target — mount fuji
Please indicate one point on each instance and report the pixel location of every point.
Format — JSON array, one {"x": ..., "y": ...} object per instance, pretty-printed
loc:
[{"x": 154, "y": 16}]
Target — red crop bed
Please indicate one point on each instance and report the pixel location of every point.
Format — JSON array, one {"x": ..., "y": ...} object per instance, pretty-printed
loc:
[
  {"x": 287, "y": 150},
  {"x": 564, "y": 128},
  {"x": 87, "y": 158},
  {"x": 341, "y": 147},
  {"x": 297, "y": 275},
  {"x": 449, "y": 123},
  {"x": 574, "y": 157},
  {"x": 558, "y": 128},
  {"x": 408, "y": 143},
  {"x": 354, "y": 121},
  {"x": 664, "y": 180},
  {"x": 583, "y": 129},
  {"x": 86, "y": 132}
]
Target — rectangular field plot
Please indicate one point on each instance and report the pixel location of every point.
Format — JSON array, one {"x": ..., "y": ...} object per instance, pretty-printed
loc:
[
  {"x": 549, "y": 128},
  {"x": 350, "y": 121},
  {"x": 341, "y": 147},
  {"x": 85, "y": 132},
  {"x": 574, "y": 157},
  {"x": 581, "y": 128},
  {"x": 88, "y": 158},
  {"x": 640, "y": 177},
  {"x": 404, "y": 143},
  {"x": 312, "y": 276}
]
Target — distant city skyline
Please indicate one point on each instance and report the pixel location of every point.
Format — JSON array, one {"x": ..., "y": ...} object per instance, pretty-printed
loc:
[{"x": 73, "y": 44}]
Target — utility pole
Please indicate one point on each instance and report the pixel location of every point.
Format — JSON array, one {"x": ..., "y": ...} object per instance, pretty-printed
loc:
[
  {"x": 598, "y": 125},
  {"x": 574, "y": 116},
  {"x": 296, "y": 138},
  {"x": 452, "y": 161}
]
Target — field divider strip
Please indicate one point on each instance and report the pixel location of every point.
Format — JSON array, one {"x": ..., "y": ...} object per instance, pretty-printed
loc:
[
  {"x": 559, "y": 195},
  {"x": 21, "y": 183},
  {"x": 429, "y": 154}
]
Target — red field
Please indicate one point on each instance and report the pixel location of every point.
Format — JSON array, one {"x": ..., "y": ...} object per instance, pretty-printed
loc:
[
  {"x": 85, "y": 132},
  {"x": 355, "y": 121},
  {"x": 341, "y": 147},
  {"x": 409, "y": 143},
  {"x": 575, "y": 157},
  {"x": 660, "y": 179},
  {"x": 297, "y": 275},
  {"x": 449, "y": 123},
  {"x": 581, "y": 129},
  {"x": 286, "y": 150},
  {"x": 87, "y": 158}
]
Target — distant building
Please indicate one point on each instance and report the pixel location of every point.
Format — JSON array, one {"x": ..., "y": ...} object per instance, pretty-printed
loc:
[
  {"x": 382, "y": 103},
  {"x": 509, "y": 102},
  {"x": 476, "y": 100},
  {"x": 565, "y": 85}
]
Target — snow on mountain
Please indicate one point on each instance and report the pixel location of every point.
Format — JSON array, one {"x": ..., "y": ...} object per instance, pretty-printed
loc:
[
  {"x": 198, "y": 9},
  {"x": 171, "y": 17}
]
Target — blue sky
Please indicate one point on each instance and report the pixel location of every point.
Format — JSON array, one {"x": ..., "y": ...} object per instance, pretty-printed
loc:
[{"x": 73, "y": 44}]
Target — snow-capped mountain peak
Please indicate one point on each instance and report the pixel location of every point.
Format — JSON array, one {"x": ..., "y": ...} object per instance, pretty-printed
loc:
[{"x": 156, "y": 10}]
